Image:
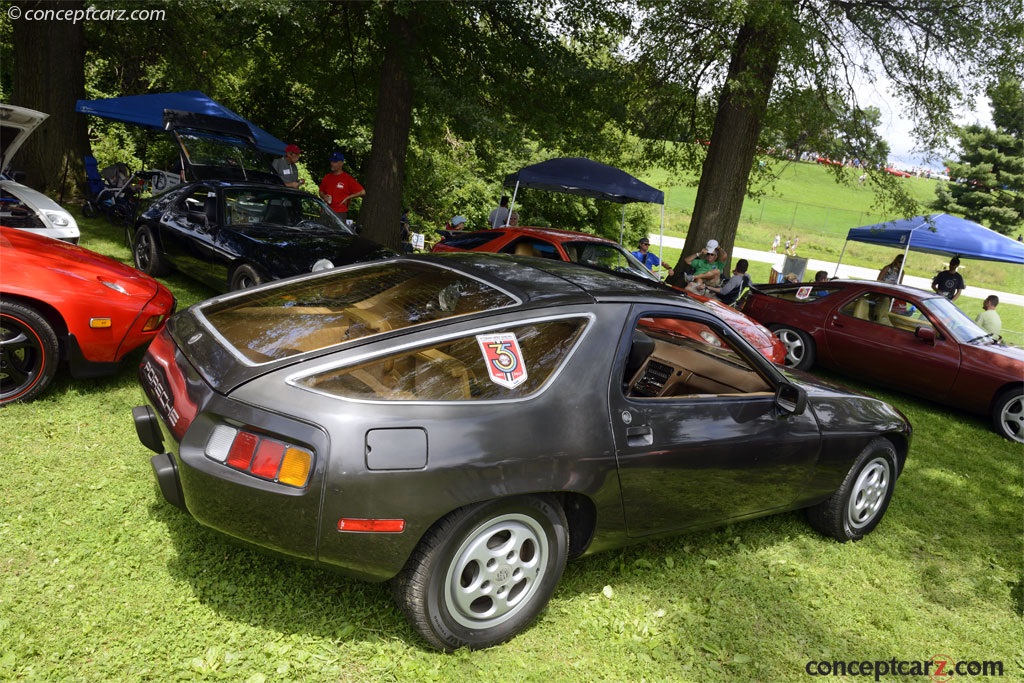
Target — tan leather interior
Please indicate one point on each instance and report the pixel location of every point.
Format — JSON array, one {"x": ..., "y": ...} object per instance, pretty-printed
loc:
[
  {"x": 861, "y": 309},
  {"x": 694, "y": 372},
  {"x": 525, "y": 249}
]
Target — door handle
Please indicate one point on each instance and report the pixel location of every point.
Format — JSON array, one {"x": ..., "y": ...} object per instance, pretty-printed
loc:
[
  {"x": 835, "y": 321},
  {"x": 639, "y": 436}
]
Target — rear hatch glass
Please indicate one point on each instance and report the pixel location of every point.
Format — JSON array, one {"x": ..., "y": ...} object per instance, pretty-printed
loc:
[{"x": 343, "y": 306}]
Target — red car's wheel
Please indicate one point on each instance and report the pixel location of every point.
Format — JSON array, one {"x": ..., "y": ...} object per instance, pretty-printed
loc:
[{"x": 29, "y": 353}]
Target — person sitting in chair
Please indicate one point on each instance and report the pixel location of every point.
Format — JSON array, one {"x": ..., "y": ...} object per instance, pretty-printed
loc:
[
  {"x": 706, "y": 265},
  {"x": 730, "y": 291}
]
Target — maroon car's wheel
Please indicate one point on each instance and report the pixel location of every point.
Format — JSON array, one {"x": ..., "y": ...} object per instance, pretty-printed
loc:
[
  {"x": 483, "y": 573},
  {"x": 28, "y": 353},
  {"x": 799, "y": 346},
  {"x": 859, "y": 504},
  {"x": 1008, "y": 414}
]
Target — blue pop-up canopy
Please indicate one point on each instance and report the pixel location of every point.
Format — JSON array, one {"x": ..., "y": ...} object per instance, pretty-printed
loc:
[
  {"x": 587, "y": 178},
  {"x": 943, "y": 234},
  {"x": 148, "y": 111},
  {"x": 578, "y": 175}
]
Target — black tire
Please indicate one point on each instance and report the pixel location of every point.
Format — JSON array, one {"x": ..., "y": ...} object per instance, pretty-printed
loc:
[
  {"x": 1008, "y": 414},
  {"x": 800, "y": 350},
  {"x": 29, "y": 353},
  {"x": 245, "y": 276},
  {"x": 483, "y": 573},
  {"x": 146, "y": 253},
  {"x": 859, "y": 504}
]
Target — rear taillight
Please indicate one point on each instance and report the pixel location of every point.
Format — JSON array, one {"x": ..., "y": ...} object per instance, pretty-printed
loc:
[{"x": 260, "y": 456}]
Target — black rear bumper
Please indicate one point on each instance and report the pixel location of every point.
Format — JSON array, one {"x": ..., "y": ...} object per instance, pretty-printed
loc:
[{"x": 147, "y": 426}]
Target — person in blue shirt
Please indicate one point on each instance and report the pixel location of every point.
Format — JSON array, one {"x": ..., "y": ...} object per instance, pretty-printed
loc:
[{"x": 651, "y": 261}]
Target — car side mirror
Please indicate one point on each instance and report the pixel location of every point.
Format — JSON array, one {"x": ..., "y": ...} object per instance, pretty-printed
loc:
[
  {"x": 790, "y": 399},
  {"x": 925, "y": 334}
]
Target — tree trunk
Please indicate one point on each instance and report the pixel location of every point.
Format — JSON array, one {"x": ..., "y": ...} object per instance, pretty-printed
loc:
[
  {"x": 381, "y": 211},
  {"x": 741, "y": 108},
  {"x": 49, "y": 75}
]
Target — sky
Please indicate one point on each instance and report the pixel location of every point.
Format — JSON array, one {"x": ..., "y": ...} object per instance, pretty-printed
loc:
[{"x": 896, "y": 128}]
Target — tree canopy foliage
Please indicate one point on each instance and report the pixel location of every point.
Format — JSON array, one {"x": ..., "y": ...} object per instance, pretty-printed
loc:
[
  {"x": 987, "y": 177},
  {"x": 433, "y": 103},
  {"x": 768, "y": 67}
]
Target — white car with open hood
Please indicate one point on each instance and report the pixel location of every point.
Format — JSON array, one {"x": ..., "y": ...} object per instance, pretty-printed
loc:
[{"x": 21, "y": 206}]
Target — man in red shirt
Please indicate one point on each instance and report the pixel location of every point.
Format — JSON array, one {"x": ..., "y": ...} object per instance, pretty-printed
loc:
[{"x": 338, "y": 187}]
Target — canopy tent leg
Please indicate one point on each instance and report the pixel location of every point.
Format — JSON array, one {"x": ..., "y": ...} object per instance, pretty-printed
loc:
[
  {"x": 622, "y": 226},
  {"x": 661, "y": 238},
  {"x": 511, "y": 204},
  {"x": 835, "y": 273},
  {"x": 903, "y": 264}
]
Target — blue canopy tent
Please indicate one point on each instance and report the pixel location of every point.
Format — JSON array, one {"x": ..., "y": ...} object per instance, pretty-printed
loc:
[
  {"x": 940, "y": 233},
  {"x": 148, "y": 111},
  {"x": 587, "y": 178}
]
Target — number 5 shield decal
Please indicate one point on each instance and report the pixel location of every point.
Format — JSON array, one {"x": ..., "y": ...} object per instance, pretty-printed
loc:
[{"x": 503, "y": 358}]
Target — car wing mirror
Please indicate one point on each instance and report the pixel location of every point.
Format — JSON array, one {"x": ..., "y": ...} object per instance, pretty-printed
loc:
[
  {"x": 790, "y": 399},
  {"x": 925, "y": 334}
]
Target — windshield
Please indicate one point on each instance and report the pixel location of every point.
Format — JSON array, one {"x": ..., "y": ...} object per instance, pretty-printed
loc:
[
  {"x": 609, "y": 257},
  {"x": 279, "y": 207},
  {"x": 961, "y": 327}
]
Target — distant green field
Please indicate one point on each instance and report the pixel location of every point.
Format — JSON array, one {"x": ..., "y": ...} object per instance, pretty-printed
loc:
[
  {"x": 805, "y": 201},
  {"x": 802, "y": 198}
]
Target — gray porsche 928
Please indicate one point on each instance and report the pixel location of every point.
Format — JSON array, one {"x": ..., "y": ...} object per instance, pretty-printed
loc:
[{"x": 463, "y": 424}]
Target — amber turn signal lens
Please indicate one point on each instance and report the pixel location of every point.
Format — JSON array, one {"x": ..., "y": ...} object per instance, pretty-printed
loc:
[
  {"x": 153, "y": 323},
  {"x": 295, "y": 468}
]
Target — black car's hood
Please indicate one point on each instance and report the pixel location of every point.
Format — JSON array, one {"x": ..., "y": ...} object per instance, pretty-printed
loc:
[{"x": 292, "y": 251}]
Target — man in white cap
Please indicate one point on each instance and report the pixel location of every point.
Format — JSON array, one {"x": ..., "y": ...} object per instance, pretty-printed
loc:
[{"x": 706, "y": 264}]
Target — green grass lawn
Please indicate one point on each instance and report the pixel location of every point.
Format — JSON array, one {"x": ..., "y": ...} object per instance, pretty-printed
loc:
[{"x": 100, "y": 580}]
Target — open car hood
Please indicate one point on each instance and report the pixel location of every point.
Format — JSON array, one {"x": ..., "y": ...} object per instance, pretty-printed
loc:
[
  {"x": 218, "y": 148},
  {"x": 16, "y": 124}
]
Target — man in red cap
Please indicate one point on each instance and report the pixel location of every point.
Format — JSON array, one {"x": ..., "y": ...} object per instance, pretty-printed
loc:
[
  {"x": 338, "y": 187},
  {"x": 285, "y": 166}
]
